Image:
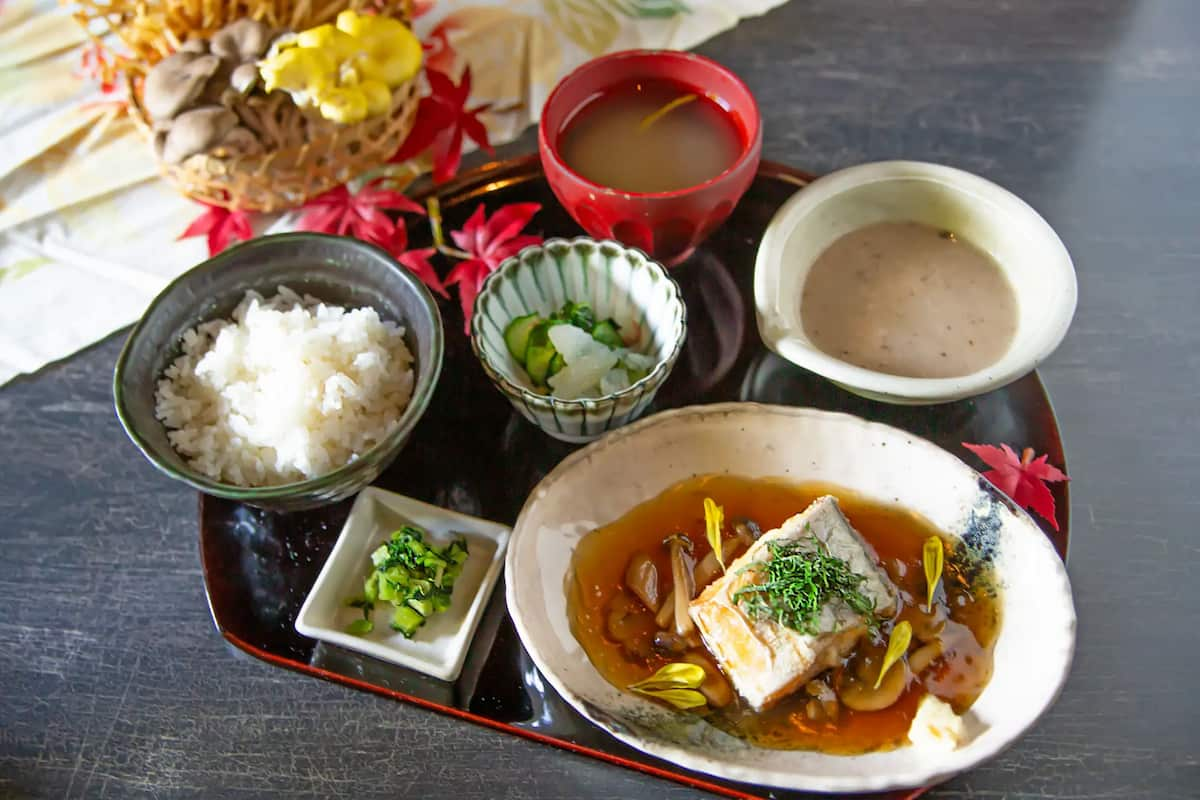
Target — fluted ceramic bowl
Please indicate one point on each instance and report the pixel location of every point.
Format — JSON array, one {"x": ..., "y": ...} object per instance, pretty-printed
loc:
[
  {"x": 335, "y": 269},
  {"x": 619, "y": 282}
]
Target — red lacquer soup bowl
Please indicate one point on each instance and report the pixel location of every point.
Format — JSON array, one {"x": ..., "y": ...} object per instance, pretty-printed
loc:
[{"x": 666, "y": 225}]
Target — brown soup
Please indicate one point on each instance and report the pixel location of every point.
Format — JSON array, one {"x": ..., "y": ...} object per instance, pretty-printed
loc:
[
  {"x": 907, "y": 299},
  {"x": 967, "y": 607},
  {"x": 650, "y": 136}
]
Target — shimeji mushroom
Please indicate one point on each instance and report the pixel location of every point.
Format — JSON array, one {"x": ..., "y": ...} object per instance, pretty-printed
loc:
[
  {"x": 670, "y": 643},
  {"x": 683, "y": 580},
  {"x": 707, "y": 569},
  {"x": 244, "y": 77},
  {"x": 860, "y": 694},
  {"x": 175, "y": 82},
  {"x": 239, "y": 141},
  {"x": 641, "y": 576},
  {"x": 241, "y": 41},
  {"x": 195, "y": 131},
  {"x": 716, "y": 689}
]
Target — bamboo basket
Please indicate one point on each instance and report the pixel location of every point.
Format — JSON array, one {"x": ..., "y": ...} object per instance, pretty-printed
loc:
[{"x": 304, "y": 154}]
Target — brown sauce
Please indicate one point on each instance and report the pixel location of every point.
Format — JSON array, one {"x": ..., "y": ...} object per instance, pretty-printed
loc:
[
  {"x": 970, "y": 612},
  {"x": 907, "y": 299}
]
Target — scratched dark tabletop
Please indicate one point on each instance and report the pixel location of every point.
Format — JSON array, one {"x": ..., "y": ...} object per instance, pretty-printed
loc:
[{"x": 113, "y": 682}]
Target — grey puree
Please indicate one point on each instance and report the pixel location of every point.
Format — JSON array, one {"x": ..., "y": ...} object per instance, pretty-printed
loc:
[{"x": 909, "y": 299}]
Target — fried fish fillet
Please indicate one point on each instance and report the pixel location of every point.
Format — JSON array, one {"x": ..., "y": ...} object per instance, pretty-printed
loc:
[{"x": 767, "y": 661}]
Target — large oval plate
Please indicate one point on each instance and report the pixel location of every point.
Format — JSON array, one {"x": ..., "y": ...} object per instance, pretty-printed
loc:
[{"x": 600, "y": 483}]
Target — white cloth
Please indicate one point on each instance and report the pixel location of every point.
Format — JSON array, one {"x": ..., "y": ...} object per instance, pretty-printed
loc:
[{"x": 89, "y": 233}]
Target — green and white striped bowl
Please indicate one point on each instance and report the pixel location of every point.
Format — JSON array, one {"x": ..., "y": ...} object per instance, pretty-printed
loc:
[{"x": 618, "y": 282}]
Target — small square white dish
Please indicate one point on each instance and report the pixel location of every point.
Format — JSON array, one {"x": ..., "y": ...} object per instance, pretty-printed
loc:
[{"x": 440, "y": 646}]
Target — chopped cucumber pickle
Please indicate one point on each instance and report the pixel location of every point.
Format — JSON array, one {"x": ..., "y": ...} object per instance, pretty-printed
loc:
[
  {"x": 422, "y": 605},
  {"x": 529, "y": 341},
  {"x": 417, "y": 578},
  {"x": 516, "y": 335},
  {"x": 539, "y": 353},
  {"x": 407, "y": 620},
  {"x": 606, "y": 333},
  {"x": 360, "y": 627}
]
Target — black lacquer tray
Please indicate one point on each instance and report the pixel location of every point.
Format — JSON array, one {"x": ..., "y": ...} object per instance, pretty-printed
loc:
[{"x": 474, "y": 454}]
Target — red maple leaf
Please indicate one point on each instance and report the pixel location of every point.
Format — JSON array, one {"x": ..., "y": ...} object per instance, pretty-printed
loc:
[
  {"x": 440, "y": 54},
  {"x": 442, "y": 120},
  {"x": 417, "y": 261},
  {"x": 221, "y": 226},
  {"x": 488, "y": 242},
  {"x": 360, "y": 215},
  {"x": 1022, "y": 478}
]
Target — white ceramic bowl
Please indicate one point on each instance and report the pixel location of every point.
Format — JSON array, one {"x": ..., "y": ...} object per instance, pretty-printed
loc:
[
  {"x": 440, "y": 647},
  {"x": 600, "y": 483},
  {"x": 619, "y": 282},
  {"x": 1033, "y": 258}
]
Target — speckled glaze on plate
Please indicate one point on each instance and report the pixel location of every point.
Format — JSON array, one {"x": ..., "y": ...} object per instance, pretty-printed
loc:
[
  {"x": 474, "y": 454},
  {"x": 600, "y": 483}
]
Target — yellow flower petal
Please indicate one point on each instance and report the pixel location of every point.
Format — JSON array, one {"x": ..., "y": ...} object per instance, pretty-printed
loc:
[
  {"x": 933, "y": 558},
  {"x": 714, "y": 518},
  {"x": 682, "y": 699},
  {"x": 897, "y": 646},
  {"x": 676, "y": 675}
]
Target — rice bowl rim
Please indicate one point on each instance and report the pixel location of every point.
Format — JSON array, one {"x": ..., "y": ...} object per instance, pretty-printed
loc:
[{"x": 424, "y": 382}]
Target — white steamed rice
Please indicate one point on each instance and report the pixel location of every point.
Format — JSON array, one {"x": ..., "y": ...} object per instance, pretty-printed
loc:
[{"x": 290, "y": 389}]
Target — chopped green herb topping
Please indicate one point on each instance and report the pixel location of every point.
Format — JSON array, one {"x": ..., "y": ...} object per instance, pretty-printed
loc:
[
  {"x": 417, "y": 578},
  {"x": 796, "y": 584},
  {"x": 578, "y": 314}
]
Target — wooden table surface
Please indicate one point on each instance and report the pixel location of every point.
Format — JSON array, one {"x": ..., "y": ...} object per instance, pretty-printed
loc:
[{"x": 113, "y": 682}]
